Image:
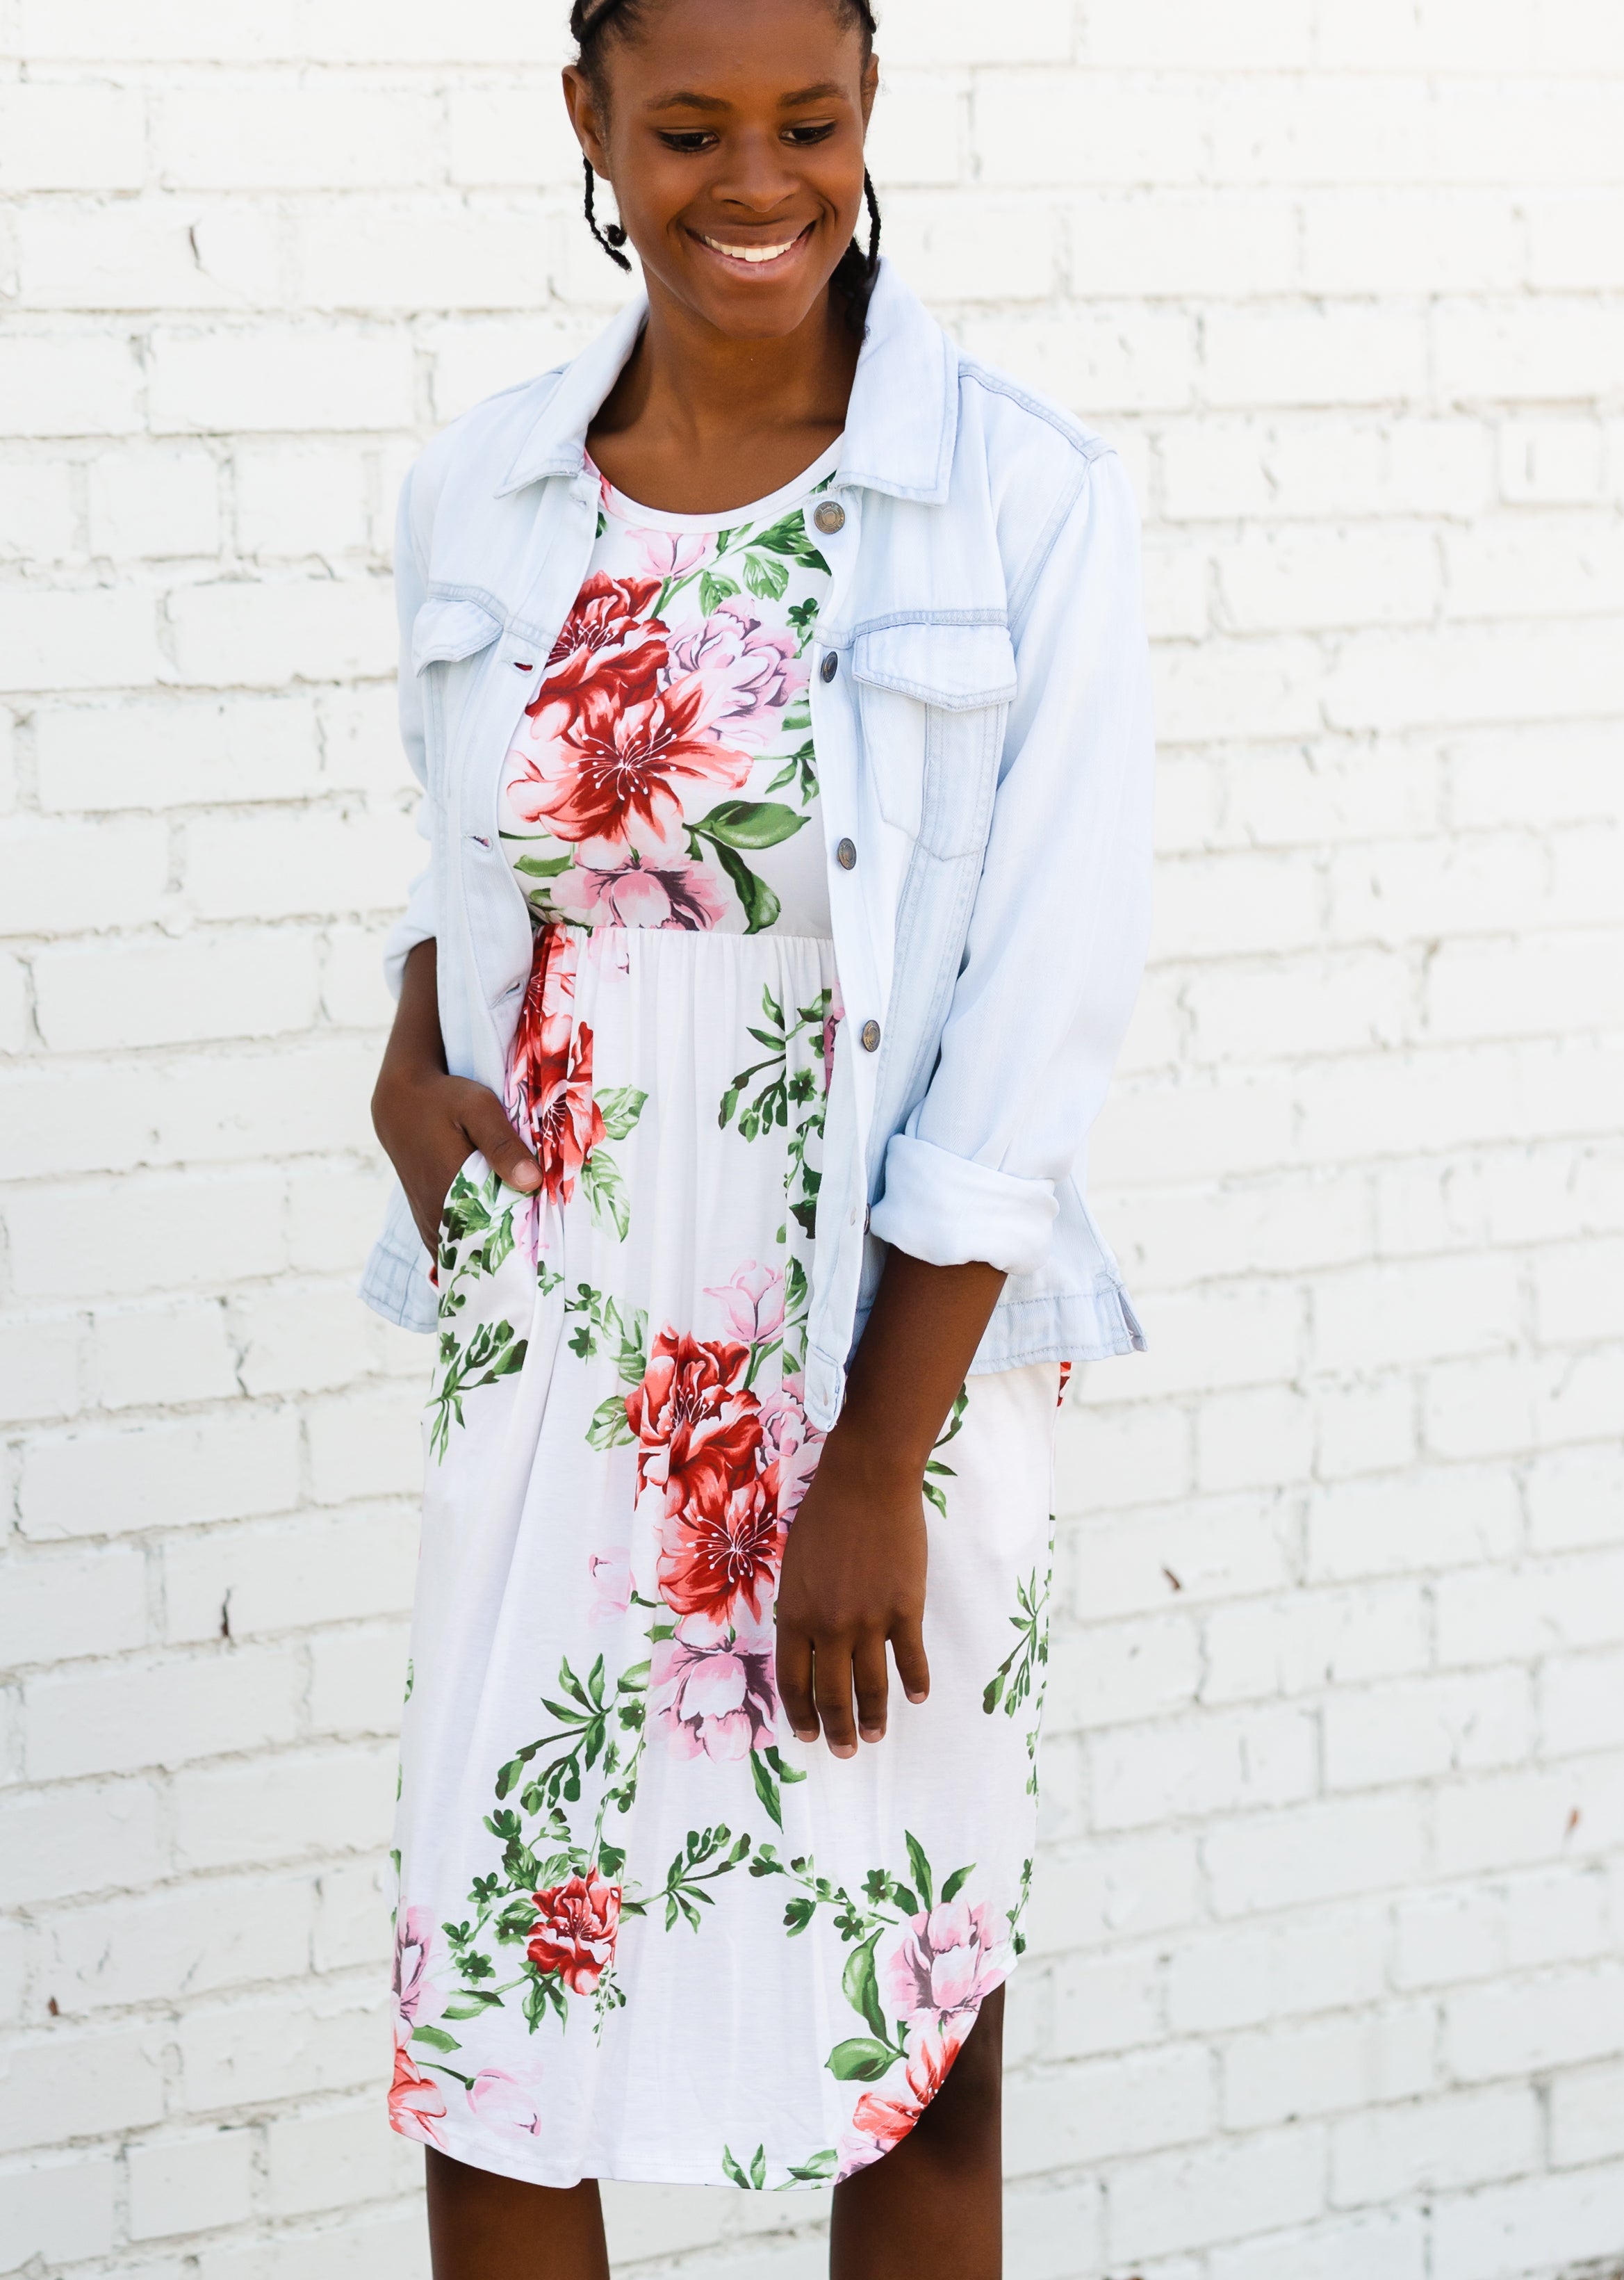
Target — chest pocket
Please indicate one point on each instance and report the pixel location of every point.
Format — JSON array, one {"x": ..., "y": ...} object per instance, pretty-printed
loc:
[
  {"x": 933, "y": 700},
  {"x": 444, "y": 632}
]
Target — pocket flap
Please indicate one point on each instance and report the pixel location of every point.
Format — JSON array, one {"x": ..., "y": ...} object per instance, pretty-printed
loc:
[
  {"x": 958, "y": 667},
  {"x": 443, "y": 632}
]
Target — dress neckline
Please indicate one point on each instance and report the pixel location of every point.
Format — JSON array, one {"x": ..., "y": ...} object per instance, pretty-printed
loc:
[{"x": 763, "y": 510}]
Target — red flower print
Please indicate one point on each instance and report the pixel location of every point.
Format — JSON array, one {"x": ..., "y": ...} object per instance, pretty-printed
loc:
[
  {"x": 719, "y": 1555},
  {"x": 601, "y": 768},
  {"x": 549, "y": 1070},
  {"x": 415, "y": 2102},
  {"x": 609, "y": 633},
  {"x": 694, "y": 1418},
  {"x": 878, "y": 2123},
  {"x": 575, "y": 1934}
]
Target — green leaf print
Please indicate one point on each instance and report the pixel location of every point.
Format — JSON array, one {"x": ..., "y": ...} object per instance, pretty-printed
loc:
[
  {"x": 921, "y": 1866},
  {"x": 861, "y": 2059},
  {"x": 610, "y": 1427},
  {"x": 860, "y": 1985},
  {"x": 816, "y": 2169},
  {"x": 605, "y": 1191},
  {"x": 713, "y": 591},
  {"x": 736, "y": 2176},
  {"x": 767, "y": 1770},
  {"x": 435, "y": 2040},
  {"x": 1011, "y": 1682},
  {"x": 933, "y": 1487},
  {"x": 621, "y": 1107},
  {"x": 540, "y": 867},
  {"x": 956, "y": 1882},
  {"x": 491, "y": 1353},
  {"x": 765, "y": 577},
  {"x": 760, "y": 905},
  {"x": 750, "y": 823}
]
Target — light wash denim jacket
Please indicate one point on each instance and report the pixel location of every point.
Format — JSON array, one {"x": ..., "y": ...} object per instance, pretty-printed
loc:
[{"x": 981, "y": 713}]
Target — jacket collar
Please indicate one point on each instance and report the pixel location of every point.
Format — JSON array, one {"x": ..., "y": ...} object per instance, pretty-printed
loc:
[{"x": 901, "y": 424}]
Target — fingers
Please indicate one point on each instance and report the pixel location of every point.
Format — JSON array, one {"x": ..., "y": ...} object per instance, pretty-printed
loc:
[
  {"x": 832, "y": 1692},
  {"x": 795, "y": 1681},
  {"x": 908, "y": 1646},
  {"x": 868, "y": 1669},
  {"x": 485, "y": 1121}
]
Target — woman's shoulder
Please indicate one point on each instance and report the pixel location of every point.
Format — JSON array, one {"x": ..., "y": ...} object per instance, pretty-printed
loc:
[
  {"x": 477, "y": 448},
  {"x": 1022, "y": 430}
]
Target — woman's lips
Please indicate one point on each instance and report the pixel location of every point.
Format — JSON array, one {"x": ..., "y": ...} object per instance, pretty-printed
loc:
[{"x": 758, "y": 256}]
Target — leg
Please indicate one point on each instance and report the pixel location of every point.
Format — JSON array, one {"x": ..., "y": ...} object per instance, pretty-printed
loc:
[
  {"x": 481, "y": 2224},
  {"x": 932, "y": 2209}
]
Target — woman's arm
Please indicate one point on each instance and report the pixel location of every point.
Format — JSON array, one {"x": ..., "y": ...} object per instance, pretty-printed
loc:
[
  {"x": 429, "y": 1122},
  {"x": 854, "y": 1567}
]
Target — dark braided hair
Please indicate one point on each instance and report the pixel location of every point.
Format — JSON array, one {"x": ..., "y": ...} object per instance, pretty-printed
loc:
[{"x": 591, "y": 22}]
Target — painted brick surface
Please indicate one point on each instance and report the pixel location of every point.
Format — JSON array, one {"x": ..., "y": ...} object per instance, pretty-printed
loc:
[{"x": 1323, "y": 1981}]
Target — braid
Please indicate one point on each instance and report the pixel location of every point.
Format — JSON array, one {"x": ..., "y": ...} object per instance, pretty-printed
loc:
[{"x": 591, "y": 22}]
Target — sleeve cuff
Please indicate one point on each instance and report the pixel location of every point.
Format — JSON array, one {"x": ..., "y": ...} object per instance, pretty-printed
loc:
[
  {"x": 416, "y": 925},
  {"x": 946, "y": 1211}
]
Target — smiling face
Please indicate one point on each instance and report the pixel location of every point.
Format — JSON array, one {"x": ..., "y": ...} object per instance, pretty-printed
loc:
[{"x": 732, "y": 131}]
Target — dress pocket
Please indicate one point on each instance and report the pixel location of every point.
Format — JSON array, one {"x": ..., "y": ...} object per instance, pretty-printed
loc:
[{"x": 933, "y": 700}]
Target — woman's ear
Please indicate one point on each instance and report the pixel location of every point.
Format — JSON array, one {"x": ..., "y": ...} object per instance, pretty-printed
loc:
[
  {"x": 587, "y": 118},
  {"x": 871, "y": 86}
]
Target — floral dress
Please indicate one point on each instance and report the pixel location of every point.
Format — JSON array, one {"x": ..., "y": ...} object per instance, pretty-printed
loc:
[{"x": 641, "y": 1932}]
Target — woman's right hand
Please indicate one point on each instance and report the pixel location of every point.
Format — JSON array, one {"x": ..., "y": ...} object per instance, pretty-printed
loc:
[{"x": 429, "y": 1122}]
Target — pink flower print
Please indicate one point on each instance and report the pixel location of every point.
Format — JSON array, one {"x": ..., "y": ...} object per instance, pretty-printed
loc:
[
  {"x": 505, "y": 2099},
  {"x": 790, "y": 1444},
  {"x": 715, "y": 1698},
  {"x": 672, "y": 553},
  {"x": 611, "y": 1584},
  {"x": 416, "y": 2101},
  {"x": 748, "y": 673},
  {"x": 878, "y": 2122},
  {"x": 680, "y": 898},
  {"x": 754, "y": 1303},
  {"x": 943, "y": 1966},
  {"x": 416, "y": 1999}
]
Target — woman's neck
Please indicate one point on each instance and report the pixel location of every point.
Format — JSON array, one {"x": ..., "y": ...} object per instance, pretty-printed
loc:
[{"x": 699, "y": 422}]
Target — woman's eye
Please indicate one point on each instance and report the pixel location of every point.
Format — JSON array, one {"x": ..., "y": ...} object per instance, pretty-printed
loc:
[
  {"x": 693, "y": 139},
  {"x": 820, "y": 132}
]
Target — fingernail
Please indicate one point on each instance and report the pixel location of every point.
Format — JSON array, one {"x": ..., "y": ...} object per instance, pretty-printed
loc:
[
  {"x": 527, "y": 1178},
  {"x": 844, "y": 1749},
  {"x": 913, "y": 1697},
  {"x": 872, "y": 1733}
]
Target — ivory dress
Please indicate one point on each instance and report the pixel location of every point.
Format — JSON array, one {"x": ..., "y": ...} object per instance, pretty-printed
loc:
[{"x": 641, "y": 1932}]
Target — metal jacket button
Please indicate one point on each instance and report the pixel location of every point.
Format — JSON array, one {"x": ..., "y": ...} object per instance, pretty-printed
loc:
[
  {"x": 830, "y": 668},
  {"x": 831, "y": 516},
  {"x": 869, "y": 1035},
  {"x": 845, "y": 855}
]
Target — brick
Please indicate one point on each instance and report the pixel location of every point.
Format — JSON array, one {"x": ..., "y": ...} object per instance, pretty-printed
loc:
[
  {"x": 353, "y": 1916},
  {"x": 1121, "y": 35},
  {"x": 172, "y": 1474},
  {"x": 1478, "y": 1409},
  {"x": 156, "y": 503},
  {"x": 984, "y": 250},
  {"x": 246, "y": 2054},
  {"x": 1115, "y": 360},
  {"x": 1550, "y": 1915},
  {"x": 151, "y": 1356},
  {"x": 354, "y": 995},
  {"x": 1215, "y": 2194},
  {"x": 57, "y": 2212},
  {"x": 475, "y": 357},
  {"x": 62, "y": 137},
  {"x": 336, "y": 2157},
  {"x": 1131, "y": 1886},
  {"x": 1505, "y": 2231},
  {"x": 1365, "y": 1428},
  {"x": 1312, "y": 356},
  {"x": 1294, "y": 578},
  {"x": 366, "y": 1443},
  {"x": 1388, "y": 2244},
  {"x": 93, "y": 637},
  {"x": 249, "y": 983},
  {"x": 300, "y": 861},
  {"x": 1303, "y": 1641},
  {"x": 263, "y": 634},
  {"x": 48, "y": 1852},
  {"x": 1062, "y": 2118},
  {"x": 312, "y": 132},
  {"x": 1224, "y": 1549},
  {"x": 298, "y": 500},
  {"x": 281, "y": 379},
  {"x": 1324, "y": 1852},
  {"x": 1533, "y": 986},
  {"x": 69, "y": 385},
  {"x": 1587, "y": 2116},
  {"x": 407, "y": 256},
  {"x": 288, "y": 1807},
  {"x": 1262, "y": 1439},
  {"x": 116, "y": 1240},
  {"x": 1479, "y": 2137},
  {"x": 70, "y": 2084},
  {"x": 1560, "y": 2019},
  {"x": 1321, "y": 2066},
  {"x": 1545, "y": 462},
  {"x": 1522, "y": 1818},
  {"x": 1315, "y": 464},
  {"x": 181, "y": 752},
  {"x": 150, "y": 255},
  {"x": 57, "y": 1607},
  {"x": 39, "y": 1369},
  {"x": 1581, "y": 1704},
  {"x": 919, "y": 131},
  {"x": 1393, "y": 241},
  {"x": 1575, "y": 1499},
  {"x": 1575, "y": 1294},
  {"x": 1226, "y": 1762},
  {"x": 1118, "y": 1672},
  {"x": 42, "y": 518},
  {"x": 1472, "y": 676},
  {"x": 1255, "y": 1973},
  {"x": 1436, "y": 1519},
  {"x": 957, "y": 31},
  {"x": 1534, "y": 1609},
  {"x": 1217, "y": 1335},
  {"x": 1098, "y": 2002},
  {"x": 1426, "y": 1727},
  {"x": 1213, "y": 246},
  {"x": 1292, "y": 1005},
  {"x": 195, "y": 1937},
  {"x": 289, "y": 1574},
  {"x": 121, "y": 1718},
  {"x": 357, "y": 1679},
  {"x": 190, "y": 2185},
  {"x": 1197, "y": 893},
  {"x": 1229, "y": 690},
  {"x": 1549, "y": 351},
  {"x": 57, "y": 876}
]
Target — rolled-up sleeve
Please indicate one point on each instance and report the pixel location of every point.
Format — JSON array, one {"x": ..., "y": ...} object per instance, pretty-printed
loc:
[
  {"x": 417, "y": 922},
  {"x": 1059, "y": 934}
]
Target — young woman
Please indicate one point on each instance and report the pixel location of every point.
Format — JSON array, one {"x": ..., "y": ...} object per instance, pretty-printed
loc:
[{"x": 776, "y": 679}]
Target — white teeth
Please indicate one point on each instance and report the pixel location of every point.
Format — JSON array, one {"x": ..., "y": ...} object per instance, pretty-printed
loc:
[{"x": 752, "y": 253}]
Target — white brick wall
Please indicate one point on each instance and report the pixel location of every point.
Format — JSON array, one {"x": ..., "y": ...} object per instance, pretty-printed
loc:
[{"x": 1325, "y": 1981}]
